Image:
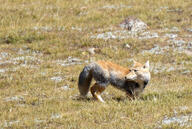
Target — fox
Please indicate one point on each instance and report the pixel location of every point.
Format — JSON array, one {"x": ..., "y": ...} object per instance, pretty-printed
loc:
[{"x": 130, "y": 80}]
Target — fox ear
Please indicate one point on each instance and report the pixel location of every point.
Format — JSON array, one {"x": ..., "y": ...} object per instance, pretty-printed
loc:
[
  {"x": 146, "y": 65},
  {"x": 134, "y": 62}
]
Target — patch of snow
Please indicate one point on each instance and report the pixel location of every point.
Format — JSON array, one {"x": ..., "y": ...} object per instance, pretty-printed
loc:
[
  {"x": 116, "y": 7},
  {"x": 48, "y": 28},
  {"x": 61, "y": 28},
  {"x": 7, "y": 124},
  {"x": 69, "y": 61},
  {"x": 21, "y": 51},
  {"x": 3, "y": 70},
  {"x": 186, "y": 72},
  {"x": 178, "y": 43},
  {"x": 156, "y": 50},
  {"x": 124, "y": 34},
  {"x": 66, "y": 87},
  {"x": 43, "y": 28},
  {"x": 187, "y": 52},
  {"x": 183, "y": 108},
  {"x": 189, "y": 29},
  {"x": 105, "y": 36},
  {"x": 22, "y": 58},
  {"x": 4, "y": 55},
  {"x": 39, "y": 121},
  {"x": 160, "y": 68},
  {"x": 184, "y": 120},
  {"x": 83, "y": 13},
  {"x": 148, "y": 35},
  {"x": 175, "y": 10},
  {"x": 174, "y": 29},
  {"x": 171, "y": 36},
  {"x": 57, "y": 79},
  {"x": 76, "y": 28},
  {"x": 14, "y": 98},
  {"x": 162, "y": 8},
  {"x": 56, "y": 116}
]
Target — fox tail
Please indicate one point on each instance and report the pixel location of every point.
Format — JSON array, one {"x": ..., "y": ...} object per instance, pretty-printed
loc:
[{"x": 84, "y": 82}]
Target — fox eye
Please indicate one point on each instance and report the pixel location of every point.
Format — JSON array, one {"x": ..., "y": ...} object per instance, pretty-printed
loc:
[{"x": 135, "y": 70}]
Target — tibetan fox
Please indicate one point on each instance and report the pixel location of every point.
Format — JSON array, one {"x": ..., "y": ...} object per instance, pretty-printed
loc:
[{"x": 131, "y": 80}]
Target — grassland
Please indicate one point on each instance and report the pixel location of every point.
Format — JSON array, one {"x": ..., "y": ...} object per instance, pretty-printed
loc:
[{"x": 44, "y": 46}]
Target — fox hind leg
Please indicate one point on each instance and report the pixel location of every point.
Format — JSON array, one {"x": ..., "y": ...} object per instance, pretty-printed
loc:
[{"x": 96, "y": 91}]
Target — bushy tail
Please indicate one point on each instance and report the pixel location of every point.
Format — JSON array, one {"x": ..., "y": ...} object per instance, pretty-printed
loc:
[{"x": 85, "y": 78}]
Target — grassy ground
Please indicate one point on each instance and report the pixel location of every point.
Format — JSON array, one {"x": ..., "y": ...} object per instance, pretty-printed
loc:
[{"x": 38, "y": 80}]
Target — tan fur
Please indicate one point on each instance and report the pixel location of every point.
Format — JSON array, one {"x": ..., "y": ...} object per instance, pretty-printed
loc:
[{"x": 109, "y": 66}]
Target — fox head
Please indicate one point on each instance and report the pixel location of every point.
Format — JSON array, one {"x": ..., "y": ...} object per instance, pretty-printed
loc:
[{"x": 139, "y": 73}]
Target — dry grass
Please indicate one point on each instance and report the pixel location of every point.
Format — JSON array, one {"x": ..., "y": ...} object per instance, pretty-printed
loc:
[{"x": 38, "y": 90}]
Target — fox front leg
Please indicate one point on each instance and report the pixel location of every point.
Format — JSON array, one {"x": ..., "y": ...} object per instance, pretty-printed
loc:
[{"x": 96, "y": 91}]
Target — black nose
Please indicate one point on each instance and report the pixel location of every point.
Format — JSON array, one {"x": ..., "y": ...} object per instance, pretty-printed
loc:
[{"x": 145, "y": 83}]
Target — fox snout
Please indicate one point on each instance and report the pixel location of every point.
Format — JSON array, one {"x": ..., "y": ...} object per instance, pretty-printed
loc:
[{"x": 131, "y": 76}]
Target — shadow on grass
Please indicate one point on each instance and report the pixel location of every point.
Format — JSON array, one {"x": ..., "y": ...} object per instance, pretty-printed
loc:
[
  {"x": 151, "y": 96},
  {"x": 120, "y": 99},
  {"x": 147, "y": 97},
  {"x": 117, "y": 99},
  {"x": 80, "y": 98}
]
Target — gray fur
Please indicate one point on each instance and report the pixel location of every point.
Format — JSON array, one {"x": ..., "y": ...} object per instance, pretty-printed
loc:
[{"x": 85, "y": 78}]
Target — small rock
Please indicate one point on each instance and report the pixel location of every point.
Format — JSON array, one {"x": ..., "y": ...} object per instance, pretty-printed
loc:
[
  {"x": 127, "y": 46},
  {"x": 91, "y": 50},
  {"x": 155, "y": 99},
  {"x": 133, "y": 24}
]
